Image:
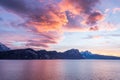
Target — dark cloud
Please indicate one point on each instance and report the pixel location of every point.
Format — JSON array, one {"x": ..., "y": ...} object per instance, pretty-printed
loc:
[
  {"x": 94, "y": 28},
  {"x": 14, "y": 5},
  {"x": 94, "y": 17}
]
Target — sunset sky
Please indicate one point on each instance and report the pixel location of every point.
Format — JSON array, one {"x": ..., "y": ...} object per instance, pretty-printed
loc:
[{"x": 60, "y": 25}]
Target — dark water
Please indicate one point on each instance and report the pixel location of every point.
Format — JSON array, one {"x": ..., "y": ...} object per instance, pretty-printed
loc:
[{"x": 59, "y": 70}]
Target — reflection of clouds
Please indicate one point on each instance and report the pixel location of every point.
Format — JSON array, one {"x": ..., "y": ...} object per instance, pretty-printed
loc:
[
  {"x": 59, "y": 70},
  {"x": 13, "y": 70}
]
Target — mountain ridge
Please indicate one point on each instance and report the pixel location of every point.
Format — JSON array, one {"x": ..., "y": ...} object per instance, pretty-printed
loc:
[{"x": 29, "y": 53}]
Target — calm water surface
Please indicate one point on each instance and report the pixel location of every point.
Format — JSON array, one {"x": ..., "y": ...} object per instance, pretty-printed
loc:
[{"x": 59, "y": 70}]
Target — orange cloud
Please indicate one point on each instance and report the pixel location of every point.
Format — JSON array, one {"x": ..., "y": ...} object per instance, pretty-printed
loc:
[
  {"x": 81, "y": 15},
  {"x": 49, "y": 22},
  {"x": 70, "y": 7},
  {"x": 48, "y": 19},
  {"x": 78, "y": 6}
]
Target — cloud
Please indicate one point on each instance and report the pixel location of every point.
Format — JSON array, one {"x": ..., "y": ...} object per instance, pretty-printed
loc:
[
  {"x": 43, "y": 40},
  {"x": 115, "y": 35},
  {"x": 47, "y": 20},
  {"x": 94, "y": 28},
  {"x": 43, "y": 16},
  {"x": 93, "y": 37},
  {"x": 81, "y": 14},
  {"x": 94, "y": 17},
  {"x": 43, "y": 19},
  {"x": 29, "y": 39},
  {"x": 89, "y": 23},
  {"x": 78, "y": 6},
  {"x": 107, "y": 26},
  {"x": 115, "y": 10},
  {"x": 14, "y": 5}
]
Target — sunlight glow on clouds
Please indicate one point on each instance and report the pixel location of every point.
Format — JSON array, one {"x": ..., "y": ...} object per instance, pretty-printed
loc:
[{"x": 39, "y": 24}]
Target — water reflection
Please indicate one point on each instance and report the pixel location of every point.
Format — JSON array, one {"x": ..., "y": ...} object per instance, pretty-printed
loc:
[{"x": 59, "y": 70}]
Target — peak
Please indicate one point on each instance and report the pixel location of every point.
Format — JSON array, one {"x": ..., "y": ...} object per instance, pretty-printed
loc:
[
  {"x": 3, "y": 47},
  {"x": 72, "y": 51},
  {"x": 1, "y": 43},
  {"x": 86, "y": 53}
]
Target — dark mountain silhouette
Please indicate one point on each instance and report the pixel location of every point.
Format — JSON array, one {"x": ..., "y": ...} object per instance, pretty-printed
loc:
[
  {"x": 70, "y": 54},
  {"x": 29, "y": 53},
  {"x": 89, "y": 55},
  {"x": 42, "y": 54},
  {"x": 3, "y": 47},
  {"x": 19, "y": 54}
]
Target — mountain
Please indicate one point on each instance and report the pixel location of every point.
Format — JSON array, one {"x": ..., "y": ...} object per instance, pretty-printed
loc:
[
  {"x": 3, "y": 47},
  {"x": 73, "y": 53},
  {"x": 89, "y": 55},
  {"x": 69, "y": 54},
  {"x": 19, "y": 54},
  {"x": 42, "y": 54},
  {"x": 6, "y": 53}
]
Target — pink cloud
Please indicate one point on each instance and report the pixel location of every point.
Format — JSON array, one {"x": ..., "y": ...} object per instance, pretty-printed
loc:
[
  {"x": 115, "y": 10},
  {"x": 78, "y": 6},
  {"x": 47, "y": 20}
]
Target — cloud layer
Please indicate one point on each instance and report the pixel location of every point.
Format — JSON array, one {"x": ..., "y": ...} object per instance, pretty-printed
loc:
[{"x": 48, "y": 20}]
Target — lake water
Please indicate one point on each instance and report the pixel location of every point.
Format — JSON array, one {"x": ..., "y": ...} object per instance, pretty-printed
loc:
[{"x": 59, "y": 70}]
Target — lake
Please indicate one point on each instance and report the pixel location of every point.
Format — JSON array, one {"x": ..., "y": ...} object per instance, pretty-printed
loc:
[{"x": 59, "y": 69}]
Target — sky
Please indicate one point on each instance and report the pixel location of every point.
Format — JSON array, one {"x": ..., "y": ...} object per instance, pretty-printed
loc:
[{"x": 92, "y": 25}]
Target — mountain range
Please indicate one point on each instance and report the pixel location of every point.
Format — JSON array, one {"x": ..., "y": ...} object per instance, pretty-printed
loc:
[
  {"x": 89, "y": 55},
  {"x": 7, "y": 53}
]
